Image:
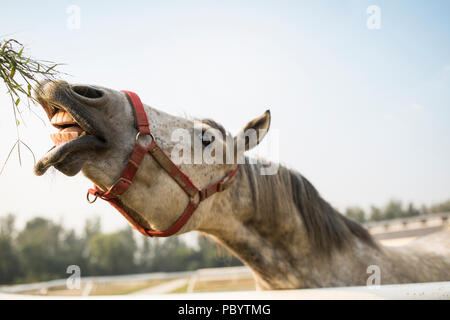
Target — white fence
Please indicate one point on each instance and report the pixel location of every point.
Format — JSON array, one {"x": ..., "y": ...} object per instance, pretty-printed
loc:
[
  {"x": 431, "y": 290},
  {"x": 409, "y": 227},
  {"x": 415, "y": 291},
  {"x": 213, "y": 273}
]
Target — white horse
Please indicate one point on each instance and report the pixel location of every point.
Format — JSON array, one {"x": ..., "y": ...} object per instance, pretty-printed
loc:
[{"x": 278, "y": 224}]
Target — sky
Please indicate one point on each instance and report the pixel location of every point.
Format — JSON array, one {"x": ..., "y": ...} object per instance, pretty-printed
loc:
[{"x": 363, "y": 113}]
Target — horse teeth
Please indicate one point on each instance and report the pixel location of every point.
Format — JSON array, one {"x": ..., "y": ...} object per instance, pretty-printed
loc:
[
  {"x": 63, "y": 137},
  {"x": 62, "y": 118},
  {"x": 67, "y": 118}
]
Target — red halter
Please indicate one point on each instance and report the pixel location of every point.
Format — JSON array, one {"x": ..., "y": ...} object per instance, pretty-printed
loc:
[{"x": 128, "y": 173}]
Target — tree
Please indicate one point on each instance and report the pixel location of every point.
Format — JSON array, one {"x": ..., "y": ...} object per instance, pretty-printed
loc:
[
  {"x": 424, "y": 209},
  {"x": 411, "y": 211},
  {"x": 172, "y": 254},
  {"x": 9, "y": 259},
  {"x": 112, "y": 253},
  {"x": 92, "y": 227},
  {"x": 393, "y": 209},
  {"x": 46, "y": 249},
  {"x": 376, "y": 214},
  {"x": 7, "y": 225},
  {"x": 145, "y": 255},
  {"x": 356, "y": 213},
  {"x": 441, "y": 207},
  {"x": 38, "y": 245}
]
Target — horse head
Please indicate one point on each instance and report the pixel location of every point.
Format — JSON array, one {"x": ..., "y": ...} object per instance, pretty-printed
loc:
[{"x": 97, "y": 133}]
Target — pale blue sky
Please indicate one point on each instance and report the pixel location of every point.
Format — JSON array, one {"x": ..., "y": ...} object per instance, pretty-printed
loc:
[{"x": 364, "y": 114}]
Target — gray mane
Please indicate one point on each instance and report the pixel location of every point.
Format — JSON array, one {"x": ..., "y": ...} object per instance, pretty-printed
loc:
[{"x": 326, "y": 228}]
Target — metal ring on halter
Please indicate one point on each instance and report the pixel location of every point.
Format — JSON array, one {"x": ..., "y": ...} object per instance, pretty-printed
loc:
[
  {"x": 151, "y": 136},
  {"x": 89, "y": 200}
]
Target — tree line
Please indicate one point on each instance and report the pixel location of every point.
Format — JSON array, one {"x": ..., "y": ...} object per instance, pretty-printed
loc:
[
  {"x": 394, "y": 209},
  {"x": 43, "y": 250}
]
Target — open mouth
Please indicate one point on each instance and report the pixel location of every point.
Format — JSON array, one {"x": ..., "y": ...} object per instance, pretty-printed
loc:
[
  {"x": 69, "y": 129},
  {"x": 77, "y": 131},
  {"x": 64, "y": 119}
]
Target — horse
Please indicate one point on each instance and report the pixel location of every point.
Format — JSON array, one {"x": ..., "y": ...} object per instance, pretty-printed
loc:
[{"x": 277, "y": 224}]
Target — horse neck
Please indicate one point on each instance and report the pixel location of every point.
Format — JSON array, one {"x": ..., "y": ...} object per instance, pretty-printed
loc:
[{"x": 289, "y": 236}]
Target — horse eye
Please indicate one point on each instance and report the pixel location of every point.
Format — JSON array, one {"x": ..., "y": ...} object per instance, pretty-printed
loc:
[{"x": 206, "y": 143}]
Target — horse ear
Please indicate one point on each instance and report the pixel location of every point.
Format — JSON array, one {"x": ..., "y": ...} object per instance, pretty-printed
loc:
[{"x": 252, "y": 133}]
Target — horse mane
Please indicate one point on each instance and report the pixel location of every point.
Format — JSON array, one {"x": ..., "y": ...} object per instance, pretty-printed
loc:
[
  {"x": 215, "y": 125},
  {"x": 326, "y": 228}
]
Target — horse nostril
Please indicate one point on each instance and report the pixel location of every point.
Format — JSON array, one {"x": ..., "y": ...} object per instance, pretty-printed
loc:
[{"x": 88, "y": 92}]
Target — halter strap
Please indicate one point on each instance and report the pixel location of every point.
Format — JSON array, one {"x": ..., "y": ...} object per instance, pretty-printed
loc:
[{"x": 126, "y": 177}]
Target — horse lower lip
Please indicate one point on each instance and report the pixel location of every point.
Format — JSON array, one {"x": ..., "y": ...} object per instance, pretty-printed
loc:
[{"x": 57, "y": 154}]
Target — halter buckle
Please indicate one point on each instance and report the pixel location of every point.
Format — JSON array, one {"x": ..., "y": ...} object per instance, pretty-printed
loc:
[
  {"x": 152, "y": 138},
  {"x": 115, "y": 183},
  {"x": 89, "y": 200}
]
